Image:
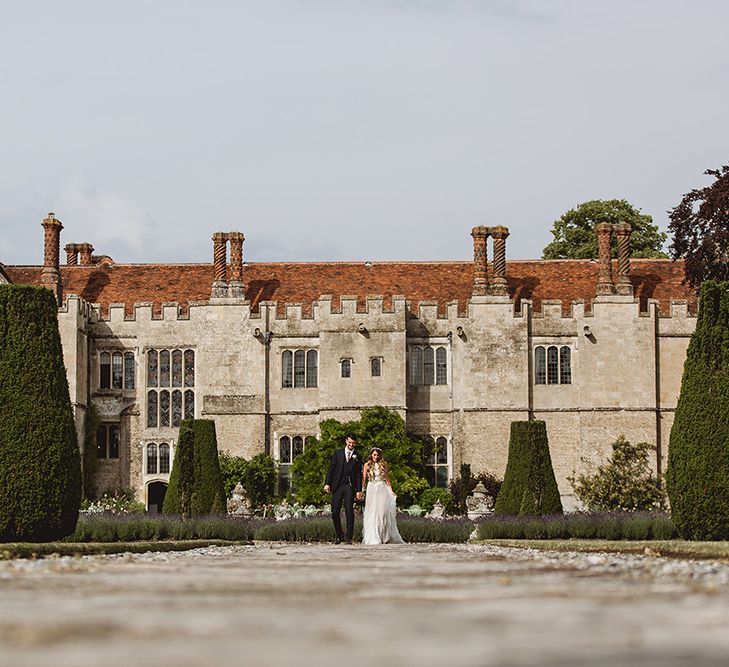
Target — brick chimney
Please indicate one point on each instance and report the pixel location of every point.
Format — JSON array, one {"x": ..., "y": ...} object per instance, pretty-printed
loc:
[
  {"x": 220, "y": 251},
  {"x": 623, "y": 231},
  {"x": 480, "y": 271},
  {"x": 498, "y": 285},
  {"x": 51, "y": 275},
  {"x": 86, "y": 250},
  {"x": 236, "y": 288},
  {"x": 71, "y": 253},
  {"x": 605, "y": 286}
]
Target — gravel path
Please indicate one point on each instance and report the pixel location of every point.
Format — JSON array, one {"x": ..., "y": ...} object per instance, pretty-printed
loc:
[{"x": 284, "y": 604}]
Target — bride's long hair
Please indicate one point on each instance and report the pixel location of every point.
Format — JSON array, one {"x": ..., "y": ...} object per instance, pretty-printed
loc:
[{"x": 384, "y": 468}]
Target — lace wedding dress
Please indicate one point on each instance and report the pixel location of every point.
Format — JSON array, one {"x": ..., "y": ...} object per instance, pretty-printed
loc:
[{"x": 379, "y": 523}]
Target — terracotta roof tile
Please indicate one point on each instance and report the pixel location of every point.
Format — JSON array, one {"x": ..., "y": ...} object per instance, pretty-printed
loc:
[{"x": 287, "y": 283}]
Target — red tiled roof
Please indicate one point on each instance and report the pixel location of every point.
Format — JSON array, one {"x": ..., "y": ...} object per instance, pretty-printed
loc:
[{"x": 538, "y": 280}]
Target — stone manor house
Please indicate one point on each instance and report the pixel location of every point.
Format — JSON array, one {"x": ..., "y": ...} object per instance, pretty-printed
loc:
[{"x": 458, "y": 349}]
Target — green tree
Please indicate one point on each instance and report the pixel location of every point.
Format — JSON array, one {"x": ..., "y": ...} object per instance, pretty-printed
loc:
[
  {"x": 233, "y": 469},
  {"x": 40, "y": 464},
  {"x": 697, "y": 477},
  {"x": 378, "y": 427},
  {"x": 700, "y": 228},
  {"x": 575, "y": 238},
  {"x": 626, "y": 482},
  {"x": 207, "y": 495},
  {"x": 259, "y": 479},
  {"x": 529, "y": 484}
]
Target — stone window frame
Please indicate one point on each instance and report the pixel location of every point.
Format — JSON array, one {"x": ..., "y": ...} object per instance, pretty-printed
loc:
[
  {"x": 299, "y": 372},
  {"x": 435, "y": 463},
  {"x": 107, "y": 378},
  {"x": 153, "y": 467},
  {"x": 283, "y": 467},
  {"x": 346, "y": 365},
  {"x": 172, "y": 395},
  {"x": 553, "y": 364},
  {"x": 106, "y": 448},
  {"x": 436, "y": 354},
  {"x": 376, "y": 363}
]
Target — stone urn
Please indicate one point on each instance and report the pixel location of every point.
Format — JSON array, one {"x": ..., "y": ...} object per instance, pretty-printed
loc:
[
  {"x": 239, "y": 504},
  {"x": 479, "y": 503},
  {"x": 438, "y": 511}
]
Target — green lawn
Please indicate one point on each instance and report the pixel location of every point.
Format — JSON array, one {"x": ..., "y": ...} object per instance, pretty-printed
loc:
[{"x": 668, "y": 548}]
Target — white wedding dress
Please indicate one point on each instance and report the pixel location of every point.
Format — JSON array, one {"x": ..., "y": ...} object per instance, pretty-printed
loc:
[{"x": 379, "y": 523}]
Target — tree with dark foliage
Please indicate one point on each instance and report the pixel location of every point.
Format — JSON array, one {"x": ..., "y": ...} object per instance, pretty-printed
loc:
[{"x": 700, "y": 228}]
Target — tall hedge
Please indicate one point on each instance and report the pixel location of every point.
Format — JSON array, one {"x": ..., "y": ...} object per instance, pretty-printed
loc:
[
  {"x": 40, "y": 465},
  {"x": 529, "y": 485},
  {"x": 206, "y": 494},
  {"x": 697, "y": 477}
]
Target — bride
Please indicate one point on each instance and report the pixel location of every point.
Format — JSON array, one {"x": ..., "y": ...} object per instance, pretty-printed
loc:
[{"x": 380, "y": 526}]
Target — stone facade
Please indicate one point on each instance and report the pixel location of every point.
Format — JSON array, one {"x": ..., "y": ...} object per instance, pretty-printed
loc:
[{"x": 626, "y": 328}]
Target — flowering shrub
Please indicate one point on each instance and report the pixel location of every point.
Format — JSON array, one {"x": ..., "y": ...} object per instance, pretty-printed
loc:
[{"x": 118, "y": 503}]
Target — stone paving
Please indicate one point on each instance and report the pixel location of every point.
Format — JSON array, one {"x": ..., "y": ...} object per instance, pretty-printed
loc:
[{"x": 397, "y": 606}]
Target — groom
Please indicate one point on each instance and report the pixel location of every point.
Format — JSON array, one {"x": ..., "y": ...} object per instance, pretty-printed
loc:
[{"x": 344, "y": 482}]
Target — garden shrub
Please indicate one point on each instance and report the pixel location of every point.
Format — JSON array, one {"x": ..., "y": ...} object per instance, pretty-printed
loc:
[
  {"x": 625, "y": 482},
  {"x": 580, "y": 525},
  {"x": 377, "y": 427},
  {"x": 40, "y": 464},
  {"x": 207, "y": 495},
  {"x": 697, "y": 477},
  {"x": 151, "y": 528},
  {"x": 529, "y": 485},
  {"x": 429, "y": 497}
]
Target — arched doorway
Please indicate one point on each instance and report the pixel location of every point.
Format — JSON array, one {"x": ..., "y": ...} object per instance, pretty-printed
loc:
[{"x": 156, "y": 497}]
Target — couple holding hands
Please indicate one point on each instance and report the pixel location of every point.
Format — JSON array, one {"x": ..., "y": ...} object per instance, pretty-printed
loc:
[{"x": 347, "y": 480}]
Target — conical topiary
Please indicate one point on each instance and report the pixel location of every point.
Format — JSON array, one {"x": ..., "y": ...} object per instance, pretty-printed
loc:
[
  {"x": 40, "y": 465},
  {"x": 203, "y": 493},
  {"x": 697, "y": 477},
  {"x": 529, "y": 484}
]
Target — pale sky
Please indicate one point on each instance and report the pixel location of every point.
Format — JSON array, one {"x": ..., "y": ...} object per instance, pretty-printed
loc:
[{"x": 348, "y": 129}]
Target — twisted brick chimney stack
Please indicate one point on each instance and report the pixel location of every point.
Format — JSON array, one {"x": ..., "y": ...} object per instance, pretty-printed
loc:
[
  {"x": 480, "y": 261},
  {"x": 220, "y": 252},
  {"x": 236, "y": 288},
  {"x": 51, "y": 275},
  {"x": 481, "y": 284},
  {"x": 605, "y": 283}
]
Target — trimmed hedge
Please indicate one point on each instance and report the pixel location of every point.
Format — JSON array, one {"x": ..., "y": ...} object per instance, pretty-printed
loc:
[
  {"x": 698, "y": 454},
  {"x": 40, "y": 466},
  {"x": 196, "y": 483},
  {"x": 153, "y": 527},
  {"x": 529, "y": 485},
  {"x": 581, "y": 525}
]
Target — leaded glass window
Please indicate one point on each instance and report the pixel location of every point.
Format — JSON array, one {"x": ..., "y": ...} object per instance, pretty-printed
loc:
[
  {"x": 164, "y": 368},
  {"x": 177, "y": 368},
  {"x": 189, "y": 404},
  {"x": 189, "y": 368},
  {"x": 565, "y": 365},
  {"x": 152, "y": 418},
  {"x": 129, "y": 374},
  {"x": 312, "y": 368},
  {"x": 152, "y": 459},
  {"x": 552, "y": 365},
  {"x": 540, "y": 366},
  {"x": 105, "y": 370},
  {"x": 441, "y": 366},
  {"x": 299, "y": 368},
  {"x": 287, "y": 369},
  {"x": 152, "y": 368},
  {"x": 164, "y": 408},
  {"x": 164, "y": 459},
  {"x": 176, "y": 407}
]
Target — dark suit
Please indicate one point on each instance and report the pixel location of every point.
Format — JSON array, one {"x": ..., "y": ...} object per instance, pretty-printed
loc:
[{"x": 345, "y": 480}]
